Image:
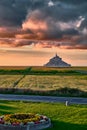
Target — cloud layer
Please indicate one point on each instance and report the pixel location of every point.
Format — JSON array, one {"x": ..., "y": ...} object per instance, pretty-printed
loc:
[{"x": 46, "y": 23}]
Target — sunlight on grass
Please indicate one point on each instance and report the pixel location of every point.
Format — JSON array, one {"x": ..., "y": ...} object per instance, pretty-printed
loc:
[
  {"x": 71, "y": 117},
  {"x": 53, "y": 82}
]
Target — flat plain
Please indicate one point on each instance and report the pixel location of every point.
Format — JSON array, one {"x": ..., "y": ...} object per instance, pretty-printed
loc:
[{"x": 44, "y": 81}]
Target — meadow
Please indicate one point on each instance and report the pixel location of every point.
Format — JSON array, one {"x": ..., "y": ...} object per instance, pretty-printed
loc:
[
  {"x": 9, "y": 81},
  {"x": 37, "y": 70},
  {"x": 73, "y": 117},
  {"x": 44, "y": 81}
]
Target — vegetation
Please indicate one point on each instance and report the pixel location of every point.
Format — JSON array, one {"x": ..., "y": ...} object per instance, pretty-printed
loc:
[
  {"x": 53, "y": 82},
  {"x": 22, "y": 119},
  {"x": 44, "y": 81},
  {"x": 57, "y": 85},
  {"x": 42, "y": 70},
  {"x": 73, "y": 117},
  {"x": 8, "y": 81}
]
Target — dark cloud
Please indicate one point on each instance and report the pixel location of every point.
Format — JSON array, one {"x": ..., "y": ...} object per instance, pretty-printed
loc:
[
  {"x": 13, "y": 12},
  {"x": 54, "y": 20},
  {"x": 75, "y": 2}
]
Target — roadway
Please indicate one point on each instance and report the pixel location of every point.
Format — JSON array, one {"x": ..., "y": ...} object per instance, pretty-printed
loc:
[{"x": 51, "y": 99}]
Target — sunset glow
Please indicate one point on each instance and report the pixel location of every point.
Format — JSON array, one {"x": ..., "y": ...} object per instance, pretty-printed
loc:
[{"x": 31, "y": 32}]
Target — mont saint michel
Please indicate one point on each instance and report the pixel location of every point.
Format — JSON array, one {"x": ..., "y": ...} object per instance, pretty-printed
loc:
[{"x": 56, "y": 61}]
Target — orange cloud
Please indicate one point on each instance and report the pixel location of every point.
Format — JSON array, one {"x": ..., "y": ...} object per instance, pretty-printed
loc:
[{"x": 34, "y": 25}]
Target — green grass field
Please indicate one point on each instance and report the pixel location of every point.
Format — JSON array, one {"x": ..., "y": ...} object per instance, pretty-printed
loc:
[
  {"x": 44, "y": 81},
  {"x": 8, "y": 81},
  {"x": 73, "y": 117},
  {"x": 41, "y": 70},
  {"x": 58, "y": 85}
]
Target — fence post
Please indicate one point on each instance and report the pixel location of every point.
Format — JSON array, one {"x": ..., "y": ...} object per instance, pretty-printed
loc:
[{"x": 67, "y": 103}]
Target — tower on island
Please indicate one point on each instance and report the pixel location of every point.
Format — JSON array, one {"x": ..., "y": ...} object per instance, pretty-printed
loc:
[{"x": 57, "y": 61}]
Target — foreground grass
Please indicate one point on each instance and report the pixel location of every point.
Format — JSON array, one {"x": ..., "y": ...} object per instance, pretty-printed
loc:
[{"x": 73, "y": 117}]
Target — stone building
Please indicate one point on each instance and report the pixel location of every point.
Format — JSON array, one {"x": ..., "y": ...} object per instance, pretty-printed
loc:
[{"x": 56, "y": 61}]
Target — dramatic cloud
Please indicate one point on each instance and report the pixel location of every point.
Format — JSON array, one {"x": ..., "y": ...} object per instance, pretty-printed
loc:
[
  {"x": 15, "y": 42},
  {"x": 46, "y": 23}
]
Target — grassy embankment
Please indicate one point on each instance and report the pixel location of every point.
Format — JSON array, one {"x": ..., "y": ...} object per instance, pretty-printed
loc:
[
  {"x": 44, "y": 81},
  {"x": 73, "y": 117}
]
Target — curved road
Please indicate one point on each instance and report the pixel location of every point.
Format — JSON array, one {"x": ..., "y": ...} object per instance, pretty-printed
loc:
[{"x": 71, "y": 100}]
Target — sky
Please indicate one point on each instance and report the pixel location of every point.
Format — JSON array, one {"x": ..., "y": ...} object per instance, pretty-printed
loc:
[{"x": 33, "y": 31}]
